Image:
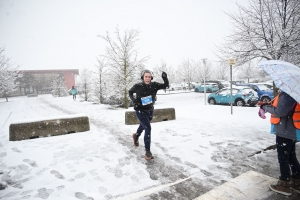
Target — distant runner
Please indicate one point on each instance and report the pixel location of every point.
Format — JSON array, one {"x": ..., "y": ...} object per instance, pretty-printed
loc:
[{"x": 74, "y": 92}]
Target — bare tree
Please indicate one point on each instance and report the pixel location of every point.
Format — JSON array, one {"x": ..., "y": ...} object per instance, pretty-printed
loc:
[
  {"x": 8, "y": 75},
  {"x": 222, "y": 71},
  {"x": 248, "y": 71},
  {"x": 205, "y": 69},
  {"x": 267, "y": 29},
  {"x": 187, "y": 70},
  {"x": 122, "y": 58},
  {"x": 100, "y": 81},
  {"x": 158, "y": 69}
]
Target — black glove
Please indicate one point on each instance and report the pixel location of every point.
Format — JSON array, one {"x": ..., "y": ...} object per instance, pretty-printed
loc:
[
  {"x": 136, "y": 104},
  {"x": 164, "y": 75}
]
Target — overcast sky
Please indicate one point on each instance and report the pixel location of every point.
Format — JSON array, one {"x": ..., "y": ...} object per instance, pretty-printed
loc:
[{"x": 61, "y": 34}]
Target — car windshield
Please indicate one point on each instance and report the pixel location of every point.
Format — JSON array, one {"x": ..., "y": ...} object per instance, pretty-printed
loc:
[
  {"x": 212, "y": 84},
  {"x": 263, "y": 87},
  {"x": 269, "y": 86},
  {"x": 249, "y": 90},
  {"x": 234, "y": 91},
  {"x": 224, "y": 92}
]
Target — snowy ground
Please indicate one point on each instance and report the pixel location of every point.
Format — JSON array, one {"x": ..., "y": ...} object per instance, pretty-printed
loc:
[{"x": 204, "y": 147}]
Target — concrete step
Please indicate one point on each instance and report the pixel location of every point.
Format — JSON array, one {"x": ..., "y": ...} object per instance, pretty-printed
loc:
[{"x": 249, "y": 185}]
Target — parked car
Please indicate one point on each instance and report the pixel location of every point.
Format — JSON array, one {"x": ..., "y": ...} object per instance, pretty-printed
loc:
[
  {"x": 268, "y": 85},
  {"x": 240, "y": 96},
  {"x": 209, "y": 87},
  {"x": 219, "y": 83},
  {"x": 175, "y": 86},
  {"x": 225, "y": 84},
  {"x": 264, "y": 92},
  {"x": 238, "y": 82},
  {"x": 187, "y": 85}
]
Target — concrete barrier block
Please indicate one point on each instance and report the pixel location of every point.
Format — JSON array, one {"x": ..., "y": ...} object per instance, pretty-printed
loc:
[
  {"x": 48, "y": 127},
  {"x": 159, "y": 115},
  {"x": 32, "y": 95}
]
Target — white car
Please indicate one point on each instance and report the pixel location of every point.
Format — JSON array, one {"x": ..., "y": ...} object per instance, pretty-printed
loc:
[{"x": 175, "y": 86}]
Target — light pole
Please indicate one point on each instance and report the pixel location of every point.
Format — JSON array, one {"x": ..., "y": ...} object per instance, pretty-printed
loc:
[
  {"x": 231, "y": 61},
  {"x": 204, "y": 63}
]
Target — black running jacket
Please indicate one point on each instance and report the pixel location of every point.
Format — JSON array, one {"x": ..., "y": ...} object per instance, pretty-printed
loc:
[{"x": 146, "y": 94}]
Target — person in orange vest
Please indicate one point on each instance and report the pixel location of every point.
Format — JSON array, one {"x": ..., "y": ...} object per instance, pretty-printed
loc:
[{"x": 285, "y": 123}]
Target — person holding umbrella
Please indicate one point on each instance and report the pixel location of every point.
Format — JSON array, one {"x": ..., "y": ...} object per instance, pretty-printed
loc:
[
  {"x": 285, "y": 124},
  {"x": 282, "y": 122}
]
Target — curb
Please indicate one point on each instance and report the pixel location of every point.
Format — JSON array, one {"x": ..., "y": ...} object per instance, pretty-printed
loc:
[{"x": 249, "y": 185}]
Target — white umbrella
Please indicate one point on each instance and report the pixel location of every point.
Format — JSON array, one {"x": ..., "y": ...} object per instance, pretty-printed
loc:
[{"x": 286, "y": 76}]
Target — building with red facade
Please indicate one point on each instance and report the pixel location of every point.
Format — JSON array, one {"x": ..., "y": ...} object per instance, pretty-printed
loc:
[{"x": 40, "y": 81}]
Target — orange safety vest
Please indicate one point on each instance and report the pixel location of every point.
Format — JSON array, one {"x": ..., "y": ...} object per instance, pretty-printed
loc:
[{"x": 296, "y": 116}]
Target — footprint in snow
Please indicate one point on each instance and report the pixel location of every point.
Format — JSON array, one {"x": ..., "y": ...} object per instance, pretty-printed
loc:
[
  {"x": 60, "y": 187},
  {"x": 109, "y": 196},
  {"x": 121, "y": 162},
  {"x": 43, "y": 193},
  {"x": 93, "y": 172},
  {"x": 80, "y": 175},
  {"x": 134, "y": 178},
  {"x": 127, "y": 160},
  {"x": 57, "y": 174},
  {"x": 30, "y": 162},
  {"x": 82, "y": 196},
  {"x": 3, "y": 154},
  {"x": 102, "y": 190},
  {"x": 118, "y": 173},
  {"x": 106, "y": 159},
  {"x": 16, "y": 150}
]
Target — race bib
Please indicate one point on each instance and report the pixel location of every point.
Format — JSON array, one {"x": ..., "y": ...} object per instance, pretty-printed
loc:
[{"x": 146, "y": 100}]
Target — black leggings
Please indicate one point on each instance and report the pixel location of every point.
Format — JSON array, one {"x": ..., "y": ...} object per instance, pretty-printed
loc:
[{"x": 286, "y": 151}]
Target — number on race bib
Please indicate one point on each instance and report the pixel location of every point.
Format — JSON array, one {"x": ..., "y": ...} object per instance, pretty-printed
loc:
[{"x": 146, "y": 100}]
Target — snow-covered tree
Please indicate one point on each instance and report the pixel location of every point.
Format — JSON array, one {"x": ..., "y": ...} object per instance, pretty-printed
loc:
[
  {"x": 248, "y": 71},
  {"x": 204, "y": 69},
  {"x": 122, "y": 59},
  {"x": 8, "y": 75},
  {"x": 222, "y": 71},
  {"x": 100, "y": 80},
  {"x": 85, "y": 86},
  {"x": 59, "y": 87},
  {"x": 268, "y": 29},
  {"x": 186, "y": 71}
]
